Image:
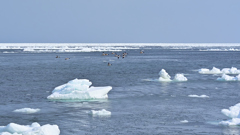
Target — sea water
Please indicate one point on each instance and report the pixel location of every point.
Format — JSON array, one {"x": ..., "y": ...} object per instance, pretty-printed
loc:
[{"x": 138, "y": 102}]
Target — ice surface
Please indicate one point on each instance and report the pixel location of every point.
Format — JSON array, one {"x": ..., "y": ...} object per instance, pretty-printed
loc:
[
  {"x": 102, "y": 112},
  {"x": 215, "y": 70},
  {"x": 201, "y": 96},
  {"x": 165, "y": 77},
  {"x": 79, "y": 89},
  {"x": 34, "y": 129},
  {"x": 27, "y": 110},
  {"x": 228, "y": 78},
  {"x": 180, "y": 77}
]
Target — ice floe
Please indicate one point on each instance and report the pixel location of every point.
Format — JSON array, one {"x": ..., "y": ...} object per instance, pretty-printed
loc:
[
  {"x": 165, "y": 77},
  {"x": 201, "y": 96},
  {"x": 180, "y": 77},
  {"x": 27, "y": 110},
  {"x": 215, "y": 70},
  {"x": 102, "y": 112},
  {"x": 33, "y": 129},
  {"x": 79, "y": 89},
  {"x": 229, "y": 78},
  {"x": 184, "y": 121},
  {"x": 232, "y": 112}
]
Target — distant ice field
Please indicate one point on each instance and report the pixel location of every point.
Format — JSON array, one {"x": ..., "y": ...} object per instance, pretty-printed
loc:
[
  {"x": 138, "y": 102},
  {"x": 101, "y": 47}
]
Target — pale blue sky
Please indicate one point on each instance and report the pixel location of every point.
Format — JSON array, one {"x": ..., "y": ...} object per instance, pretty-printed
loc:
[{"x": 120, "y": 21}]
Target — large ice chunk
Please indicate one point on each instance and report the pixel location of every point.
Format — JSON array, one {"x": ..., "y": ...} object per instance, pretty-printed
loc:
[
  {"x": 34, "y": 129},
  {"x": 27, "y": 110},
  {"x": 234, "y": 113},
  {"x": 79, "y": 89},
  {"x": 180, "y": 77},
  {"x": 228, "y": 78},
  {"x": 164, "y": 76}
]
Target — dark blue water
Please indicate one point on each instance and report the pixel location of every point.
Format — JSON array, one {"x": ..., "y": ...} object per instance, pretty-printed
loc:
[{"x": 137, "y": 106}]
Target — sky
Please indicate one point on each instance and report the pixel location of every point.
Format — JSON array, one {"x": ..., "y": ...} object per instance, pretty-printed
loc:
[{"x": 120, "y": 21}]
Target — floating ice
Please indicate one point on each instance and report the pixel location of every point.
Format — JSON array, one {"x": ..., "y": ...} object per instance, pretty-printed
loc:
[
  {"x": 228, "y": 78},
  {"x": 102, "y": 112},
  {"x": 79, "y": 89},
  {"x": 234, "y": 113},
  {"x": 231, "y": 122},
  {"x": 27, "y": 110},
  {"x": 165, "y": 77},
  {"x": 180, "y": 77},
  {"x": 214, "y": 70},
  {"x": 201, "y": 96},
  {"x": 184, "y": 121},
  {"x": 34, "y": 129},
  {"x": 232, "y": 70},
  {"x": 207, "y": 71}
]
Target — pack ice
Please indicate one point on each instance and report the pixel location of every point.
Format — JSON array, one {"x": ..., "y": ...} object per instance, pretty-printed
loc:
[
  {"x": 165, "y": 77},
  {"x": 79, "y": 89},
  {"x": 34, "y": 129}
]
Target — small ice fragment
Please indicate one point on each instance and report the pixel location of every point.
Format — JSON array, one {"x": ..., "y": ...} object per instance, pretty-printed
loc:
[
  {"x": 201, "y": 96},
  {"x": 102, "y": 112},
  {"x": 27, "y": 110},
  {"x": 184, "y": 121}
]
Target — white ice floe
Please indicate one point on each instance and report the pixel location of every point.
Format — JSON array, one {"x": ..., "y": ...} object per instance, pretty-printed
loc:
[
  {"x": 34, "y": 129},
  {"x": 231, "y": 122},
  {"x": 201, "y": 96},
  {"x": 234, "y": 113},
  {"x": 79, "y": 89},
  {"x": 180, "y": 77},
  {"x": 27, "y": 110},
  {"x": 228, "y": 78},
  {"x": 102, "y": 112},
  {"x": 215, "y": 70},
  {"x": 207, "y": 71},
  {"x": 184, "y": 121},
  {"x": 165, "y": 77}
]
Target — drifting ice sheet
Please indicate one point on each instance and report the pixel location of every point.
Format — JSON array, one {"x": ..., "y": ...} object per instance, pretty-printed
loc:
[
  {"x": 214, "y": 70},
  {"x": 34, "y": 129},
  {"x": 79, "y": 89},
  {"x": 27, "y": 110}
]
